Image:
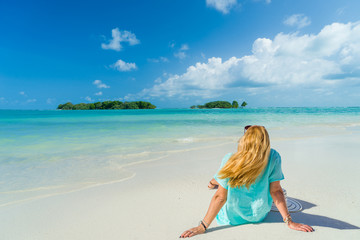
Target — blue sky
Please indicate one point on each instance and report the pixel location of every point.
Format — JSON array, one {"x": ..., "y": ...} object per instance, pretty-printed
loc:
[{"x": 179, "y": 53}]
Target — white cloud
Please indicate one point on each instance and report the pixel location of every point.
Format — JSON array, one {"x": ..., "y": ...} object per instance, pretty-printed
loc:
[
  {"x": 172, "y": 44},
  {"x": 99, "y": 93},
  {"x": 297, "y": 20},
  {"x": 128, "y": 97},
  {"x": 184, "y": 47},
  {"x": 164, "y": 59},
  {"x": 88, "y": 99},
  {"x": 22, "y": 93},
  {"x": 266, "y": 1},
  {"x": 181, "y": 54},
  {"x": 31, "y": 100},
  {"x": 50, "y": 100},
  {"x": 223, "y": 6},
  {"x": 122, "y": 66},
  {"x": 118, "y": 37},
  {"x": 199, "y": 80},
  {"x": 324, "y": 60},
  {"x": 157, "y": 60},
  {"x": 100, "y": 84},
  {"x": 158, "y": 80},
  {"x": 340, "y": 11}
]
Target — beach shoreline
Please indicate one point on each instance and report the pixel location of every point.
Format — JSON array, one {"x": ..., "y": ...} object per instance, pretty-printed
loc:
[{"x": 170, "y": 195}]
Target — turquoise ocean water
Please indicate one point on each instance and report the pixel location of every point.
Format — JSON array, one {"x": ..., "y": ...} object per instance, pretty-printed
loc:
[{"x": 43, "y": 153}]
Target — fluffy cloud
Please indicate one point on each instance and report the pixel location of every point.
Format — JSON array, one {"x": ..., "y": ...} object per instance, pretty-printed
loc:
[
  {"x": 324, "y": 60},
  {"x": 100, "y": 84},
  {"x": 118, "y": 37},
  {"x": 122, "y": 66},
  {"x": 99, "y": 93},
  {"x": 31, "y": 100},
  {"x": 223, "y": 6},
  {"x": 203, "y": 79},
  {"x": 88, "y": 99},
  {"x": 297, "y": 20}
]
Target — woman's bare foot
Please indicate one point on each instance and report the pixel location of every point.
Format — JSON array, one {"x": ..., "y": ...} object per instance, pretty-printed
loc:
[{"x": 213, "y": 184}]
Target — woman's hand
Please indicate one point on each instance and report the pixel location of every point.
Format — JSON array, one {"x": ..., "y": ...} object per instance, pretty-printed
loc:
[
  {"x": 217, "y": 202},
  {"x": 193, "y": 231},
  {"x": 300, "y": 227}
]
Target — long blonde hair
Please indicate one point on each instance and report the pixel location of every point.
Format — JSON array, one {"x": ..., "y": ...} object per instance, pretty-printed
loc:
[{"x": 248, "y": 163}]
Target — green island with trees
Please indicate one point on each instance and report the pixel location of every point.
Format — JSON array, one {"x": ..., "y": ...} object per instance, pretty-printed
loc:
[
  {"x": 220, "y": 104},
  {"x": 107, "y": 105}
]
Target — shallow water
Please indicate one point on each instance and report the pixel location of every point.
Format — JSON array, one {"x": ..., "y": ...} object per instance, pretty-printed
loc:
[{"x": 50, "y": 152}]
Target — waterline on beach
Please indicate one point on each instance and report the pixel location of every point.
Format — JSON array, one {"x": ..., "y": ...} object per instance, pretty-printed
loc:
[{"x": 45, "y": 153}]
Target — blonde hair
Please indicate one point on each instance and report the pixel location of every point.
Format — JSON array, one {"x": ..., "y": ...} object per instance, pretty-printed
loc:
[{"x": 248, "y": 163}]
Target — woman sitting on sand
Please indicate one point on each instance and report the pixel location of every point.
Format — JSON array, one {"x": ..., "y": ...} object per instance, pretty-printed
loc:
[{"x": 248, "y": 182}]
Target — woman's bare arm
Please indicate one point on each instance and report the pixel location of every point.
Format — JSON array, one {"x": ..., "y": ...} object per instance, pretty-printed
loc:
[
  {"x": 213, "y": 184},
  {"x": 217, "y": 202},
  {"x": 279, "y": 200}
]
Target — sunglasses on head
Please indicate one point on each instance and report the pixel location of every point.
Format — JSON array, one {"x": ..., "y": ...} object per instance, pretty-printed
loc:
[{"x": 247, "y": 127}]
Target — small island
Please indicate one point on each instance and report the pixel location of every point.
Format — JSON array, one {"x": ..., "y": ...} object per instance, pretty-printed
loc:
[
  {"x": 220, "y": 104},
  {"x": 107, "y": 105}
]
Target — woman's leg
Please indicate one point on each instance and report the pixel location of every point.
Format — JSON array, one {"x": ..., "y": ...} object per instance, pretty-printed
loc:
[{"x": 213, "y": 184}]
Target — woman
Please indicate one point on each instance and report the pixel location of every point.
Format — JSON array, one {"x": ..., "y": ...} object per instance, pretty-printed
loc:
[{"x": 247, "y": 183}]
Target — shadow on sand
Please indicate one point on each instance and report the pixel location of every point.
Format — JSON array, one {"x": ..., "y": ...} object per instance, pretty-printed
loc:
[{"x": 310, "y": 219}]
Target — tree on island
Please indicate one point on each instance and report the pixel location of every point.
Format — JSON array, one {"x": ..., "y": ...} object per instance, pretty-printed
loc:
[
  {"x": 107, "y": 105},
  {"x": 219, "y": 104},
  {"x": 235, "y": 104},
  {"x": 66, "y": 106}
]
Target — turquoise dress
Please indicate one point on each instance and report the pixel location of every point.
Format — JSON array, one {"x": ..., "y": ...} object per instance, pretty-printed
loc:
[{"x": 249, "y": 206}]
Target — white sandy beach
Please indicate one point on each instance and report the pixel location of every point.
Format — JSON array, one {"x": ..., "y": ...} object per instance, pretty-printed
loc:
[{"x": 167, "y": 196}]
